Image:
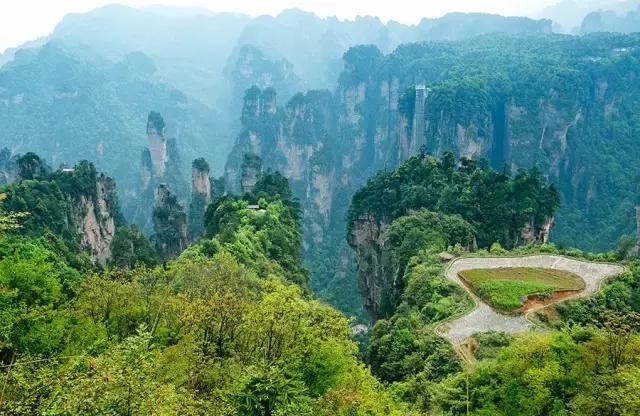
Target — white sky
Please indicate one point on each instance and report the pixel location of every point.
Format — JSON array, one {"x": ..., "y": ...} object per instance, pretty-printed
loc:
[{"x": 23, "y": 20}]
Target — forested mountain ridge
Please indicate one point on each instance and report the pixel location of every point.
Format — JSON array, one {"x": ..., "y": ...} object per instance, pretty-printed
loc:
[
  {"x": 407, "y": 224},
  {"x": 115, "y": 64},
  {"x": 490, "y": 150},
  {"x": 73, "y": 208},
  {"x": 228, "y": 328},
  {"x": 388, "y": 219},
  {"x": 559, "y": 103},
  {"x": 562, "y": 104},
  {"x": 610, "y": 21},
  {"x": 194, "y": 48},
  {"x": 568, "y": 15},
  {"x": 300, "y": 140}
]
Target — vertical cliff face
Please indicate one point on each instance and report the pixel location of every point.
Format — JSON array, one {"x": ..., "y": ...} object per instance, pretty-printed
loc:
[
  {"x": 570, "y": 124},
  {"x": 419, "y": 206},
  {"x": 536, "y": 234},
  {"x": 300, "y": 141},
  {"x": 157, "y": 143},
  {"x": 291, "y": 140},
  {"x": 201, "y": 194},
  {"x": 77, "y": 204},
  {"x": 94, "y": 209},
  {"x": 200, "y": 181},
  {"x": 380, "y": 277},
  {"x": 146, "y": 172},
  {"x": 169, "y": 224},
  {"x": 573, "y": 131},
  {"x": 378, "y": 274},
  {"x": 160, "y": 163},
  {"x": 7, "y": 167},
  {"x": 250, "y": 172},
  {"x": 97, "y": 226},
  {"x": 250, "y": 67}
]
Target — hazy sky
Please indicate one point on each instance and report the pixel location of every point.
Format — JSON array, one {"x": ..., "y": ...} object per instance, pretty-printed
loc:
[{"x": 22, "y": 20}]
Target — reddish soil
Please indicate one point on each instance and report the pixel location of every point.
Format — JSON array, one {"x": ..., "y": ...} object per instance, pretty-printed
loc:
[
  {"x": 533, "y": 303},
  {"x": 536, "y": 302}
]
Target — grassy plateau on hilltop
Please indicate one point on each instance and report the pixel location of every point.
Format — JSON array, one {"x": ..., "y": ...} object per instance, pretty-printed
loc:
[{"x": 508, "y": 288}]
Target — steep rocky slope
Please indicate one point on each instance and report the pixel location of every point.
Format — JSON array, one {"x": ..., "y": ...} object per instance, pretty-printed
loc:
[
  {"x": 562, "y": 104},
  {"x": 171, "y": 233},
  {"x": 202, "y": 194},
  {"x": 160, "y": 164},
  {"x": 396, "y": 214},
  {"x": 77, "y": 204}
]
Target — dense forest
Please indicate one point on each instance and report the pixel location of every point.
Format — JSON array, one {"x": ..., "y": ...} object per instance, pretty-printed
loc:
[
  {"x": 584, "y": 363},
  {"x": 216, "y": 214},
  {"x": 230, "y": 327},
  {"x": 227, "y": 328},
  {"x": 564, "y": 105},
  {"x": 503, "y": 89},
  {"x": 440, "y": 203}
]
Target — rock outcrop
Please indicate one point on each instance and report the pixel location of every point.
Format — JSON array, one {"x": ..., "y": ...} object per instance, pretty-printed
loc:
[
  {"x": 98, "y": 224},
  {"x": 300, "y": 141},
  {"x": 201, "y": 195},
  {"x": 293, "y": 140},
  {"x": 250, "y": 172},
  {"x": 8, "y": 167},
  {"x": 377, "y": 271},
  {"x": 200, "y": 181},
  {"x": 381, "y": 276},
  {"x": 169, "y": 224},
  {"x": 157, "y": 144},
  {"x": 536, "y": 235},
  {"x": 77, "y": 204},
  {"x": 329, "y": 144},
  {"x": 160, "y": 163},
  {"x": 30, "y": 166}
]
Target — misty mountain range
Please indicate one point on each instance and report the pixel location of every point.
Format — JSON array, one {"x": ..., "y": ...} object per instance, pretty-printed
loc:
[{"x": 86, "y": 90}]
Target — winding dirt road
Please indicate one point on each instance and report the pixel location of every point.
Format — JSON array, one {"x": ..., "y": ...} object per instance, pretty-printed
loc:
[{"x": 483, "y": 318}]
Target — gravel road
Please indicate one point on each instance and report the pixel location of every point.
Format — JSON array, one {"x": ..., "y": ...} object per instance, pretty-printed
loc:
[{"x": 483, "y": 318}]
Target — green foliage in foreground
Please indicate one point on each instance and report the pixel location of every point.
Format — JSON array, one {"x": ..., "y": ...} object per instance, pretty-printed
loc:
[
  {"x": 130, "y": 248},
  {"x": 220, "y": 331},
  {"x": 407, "y": 237},
  {"x": 505, "y": 288},
  {"x": 52, "y": 205},
  {"x": 267, "y": 240},
  {"x": 9, "y": 221},
  {"x": 576, "y": 371},
  {"x": 199, "y": 337},
  {"x": 405, "y": 347},
  {"x": 579, "y": 370},
  {"x": 621, "y": 294},
  {"x": 588, "y": 365}
]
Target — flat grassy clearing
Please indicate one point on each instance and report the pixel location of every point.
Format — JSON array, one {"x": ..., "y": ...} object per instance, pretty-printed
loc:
[{"x": 507, "y": 288}]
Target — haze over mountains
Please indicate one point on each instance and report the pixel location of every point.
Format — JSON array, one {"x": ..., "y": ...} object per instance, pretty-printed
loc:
[
  {"x": 302, "y": 94},
  {"x": 215, "y": 214},
  {"x": 200, "y": 59},
  {"x": 569, "y": 15}
]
